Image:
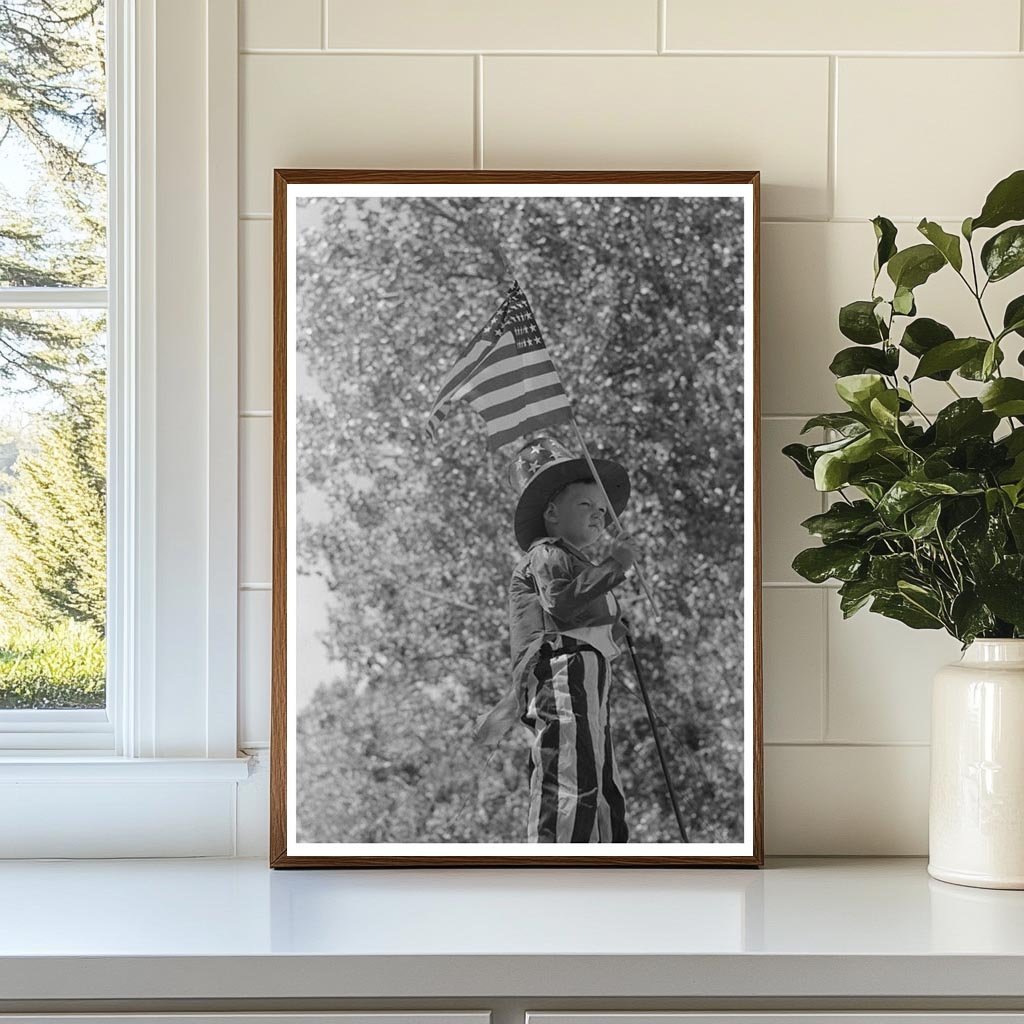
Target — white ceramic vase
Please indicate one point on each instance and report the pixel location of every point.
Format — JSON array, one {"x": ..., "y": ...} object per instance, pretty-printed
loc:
[{"x": 976, "y": 811}]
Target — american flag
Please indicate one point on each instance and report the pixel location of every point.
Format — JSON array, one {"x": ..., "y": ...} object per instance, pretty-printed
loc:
[{"x": 507, "y": 376}]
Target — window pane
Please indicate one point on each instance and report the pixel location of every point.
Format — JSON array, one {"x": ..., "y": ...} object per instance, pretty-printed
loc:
[
  {"x": 52, "y": 509},
  {"x": 53, "y": 151}
]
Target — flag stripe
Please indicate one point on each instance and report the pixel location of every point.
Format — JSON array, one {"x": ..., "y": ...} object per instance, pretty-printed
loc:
[
  {"x": 548, "y": 419},
  {"x": 495, "y": 362},
  {"x": 518, "y": 402},
  {"x": 501, "y": 423},
  {"x": 533, "y": 373},
  {"x": 478, "y": 348}
]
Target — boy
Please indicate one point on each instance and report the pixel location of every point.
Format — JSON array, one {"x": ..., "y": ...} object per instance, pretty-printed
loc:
[{"x": 564, "y": 625}]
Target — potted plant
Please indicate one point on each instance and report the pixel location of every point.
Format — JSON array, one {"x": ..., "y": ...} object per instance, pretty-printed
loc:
[{"x": 927, "y": 521}]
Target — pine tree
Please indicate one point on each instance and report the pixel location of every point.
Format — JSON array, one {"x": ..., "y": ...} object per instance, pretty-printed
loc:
[
  {"x": 53, "y": 519},
  {"x": 53, "y": 123}
]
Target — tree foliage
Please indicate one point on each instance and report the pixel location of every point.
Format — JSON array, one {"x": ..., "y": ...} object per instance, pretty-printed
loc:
[
  {"x": 641, "y": 302},
  {"x": 53, "y": 520},
  {"x": 52, "y": 126},
  {"x": 52, "y": 235}
]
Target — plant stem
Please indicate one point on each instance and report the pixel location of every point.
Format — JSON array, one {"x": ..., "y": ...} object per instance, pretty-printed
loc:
[{"x": 954, "y": 568}]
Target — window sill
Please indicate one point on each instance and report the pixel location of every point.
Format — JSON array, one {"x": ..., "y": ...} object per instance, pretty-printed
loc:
[{"x": 75, "y": 766}]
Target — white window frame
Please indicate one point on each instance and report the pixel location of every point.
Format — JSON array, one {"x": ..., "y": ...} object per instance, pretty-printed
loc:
[{"x": 172, "y": 467}]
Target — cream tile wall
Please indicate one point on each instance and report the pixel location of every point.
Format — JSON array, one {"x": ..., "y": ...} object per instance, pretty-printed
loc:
[{"x": 907, "y": 110}]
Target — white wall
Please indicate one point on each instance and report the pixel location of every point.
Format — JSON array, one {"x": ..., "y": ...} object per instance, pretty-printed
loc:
[{"x": 906, "y": 109}]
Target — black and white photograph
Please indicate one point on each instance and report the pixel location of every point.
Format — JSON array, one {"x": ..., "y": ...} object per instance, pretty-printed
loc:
[{"x": 515, "y": 498}]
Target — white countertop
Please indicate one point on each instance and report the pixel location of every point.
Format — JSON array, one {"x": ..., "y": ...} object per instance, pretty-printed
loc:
[{"x": 233, "y": 928}]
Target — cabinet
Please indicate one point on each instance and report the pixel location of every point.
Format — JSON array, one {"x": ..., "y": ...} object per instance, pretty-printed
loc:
[{"x": 831, "y": 941}]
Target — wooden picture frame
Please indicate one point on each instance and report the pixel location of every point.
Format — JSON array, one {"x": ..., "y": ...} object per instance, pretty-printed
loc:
[{"x": 392, "y": 557}]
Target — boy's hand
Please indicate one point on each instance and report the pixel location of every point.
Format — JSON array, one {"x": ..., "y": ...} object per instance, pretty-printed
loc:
[{"x": 624, "y": 550}]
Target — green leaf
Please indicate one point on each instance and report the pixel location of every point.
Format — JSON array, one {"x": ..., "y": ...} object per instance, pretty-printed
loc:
[
  {"x": 840, "y": 561},
  {"x": 964, "y": 482},
  {"x": 949, "y": 355},
  {"x": 903, "y": 302},
  {"x": 981, "y": 537},
  {"x": 849, "y": 361},
  {"x": 799, "y": 454},
  {"x": 965, "y": 229},
  {"x": 885, "y": 236},
  {"x": 857, "y": 321},
  {"x": 923, "y": 335},
  {"x": 1004, "y": 397},
  {"x": 974, "y": 368},
  {"x": 885, "y": 409},
  {"x": 1005, "y": 202},
  {"x": 855, "y": 594},
  {"x": 1015, "y": 519},
  {"x": 994, "y": 499},
  {"x": 887, "y": 570},
  {"x": 843, "y": 521},
  {"x": 990, "y": 361},
  {"x": 872, "y": 491},
  {"x": 966, "y": 417},
  {"x": 1014, "y": 441},
  {"x": 947, "y": 244},
  {"x": 818, "y": 450},
  {"x": 1013, "y": 474},
  {"x": 912, "y": 267},
  {"x": 1013, "y": 492},
  {"x": 925, "y": 518},
  {"x": 970, "y": 617},
  {"x": 841, "y": 421},
  {"x": 1013, "y": 317},
  {"x": 864, "y": 446},
  {"x": 1003, "y": 254},
  {"x": 858, "y": 389},
  {"x": 1006, "y": 599},
  {"x": 905, "y": 494},
  {"x": 831, "y": 471}
]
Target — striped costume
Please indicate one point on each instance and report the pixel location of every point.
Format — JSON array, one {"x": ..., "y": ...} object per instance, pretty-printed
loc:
[{"x": 563, "y": 622}]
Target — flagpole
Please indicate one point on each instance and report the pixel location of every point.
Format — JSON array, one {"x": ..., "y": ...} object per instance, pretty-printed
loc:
[
  {"x": 611, "y": 511},
  {"x": 654, "y": 731},
  {"x": 510, "y": 272}
]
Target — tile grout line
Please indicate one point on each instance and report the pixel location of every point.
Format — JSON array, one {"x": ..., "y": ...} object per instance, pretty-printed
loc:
[
  {"x": 258, "y": 51},
  {"x": 478, "y": 111},
  {"x": 662, "y": 41},
  {"x": 829, "y": 585},
  {"x": 323, "y": 25},
  {"x": 824, "y": 723},
  {"x": 833, "y": 134},
  {"x": 1020, "y": 24},
  {"x": 845, "y": 744}
]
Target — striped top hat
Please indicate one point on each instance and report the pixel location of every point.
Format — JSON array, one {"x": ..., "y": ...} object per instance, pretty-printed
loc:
[{"x": 541, "y": 468}]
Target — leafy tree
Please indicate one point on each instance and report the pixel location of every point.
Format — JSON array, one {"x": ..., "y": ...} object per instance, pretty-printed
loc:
[
  {"x": 641, "y": 302},
  {"x": 53, "y": 520},
  {"x": 52, "y": 234},
  {"x": 52, "y": 124}
]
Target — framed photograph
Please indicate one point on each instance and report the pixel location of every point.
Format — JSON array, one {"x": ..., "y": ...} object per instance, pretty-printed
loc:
[{"x": 516, "y": 559}]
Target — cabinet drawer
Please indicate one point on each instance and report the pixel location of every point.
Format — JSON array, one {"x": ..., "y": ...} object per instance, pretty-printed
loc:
[
  {"x": 786, "y": 1017},
  {"x": 360, "y": 1017}
]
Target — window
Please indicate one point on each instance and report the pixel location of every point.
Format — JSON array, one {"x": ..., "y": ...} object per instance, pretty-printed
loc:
[
  {"x": 53, "y": 373},
  {"x": 155, "y": 770}
]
